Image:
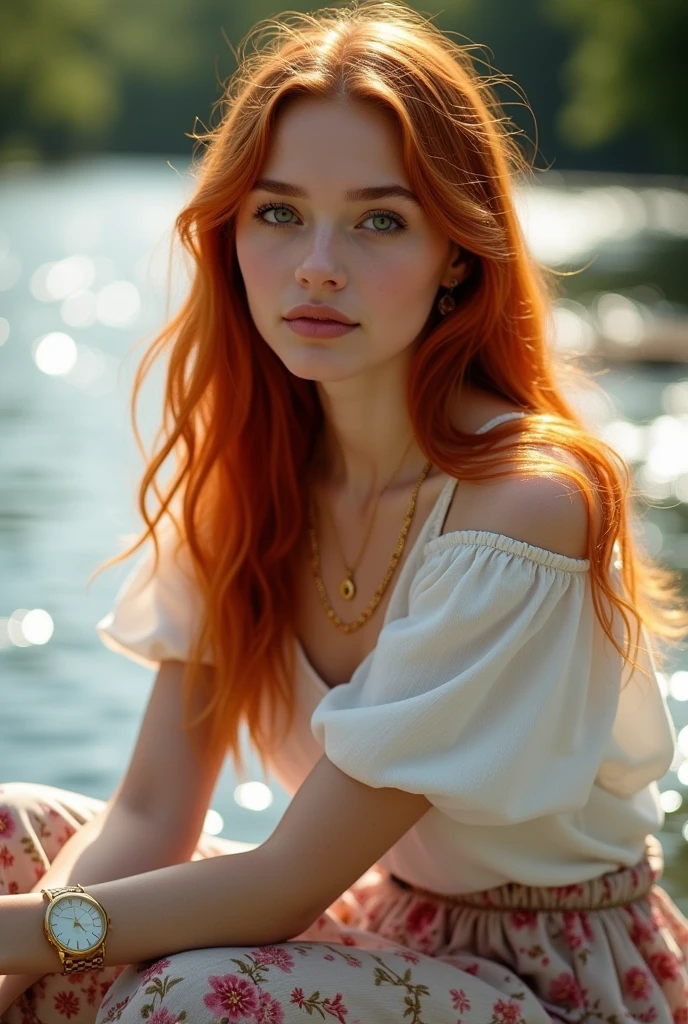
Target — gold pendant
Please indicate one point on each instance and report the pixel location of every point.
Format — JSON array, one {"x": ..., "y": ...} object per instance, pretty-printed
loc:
[{"x": 347, "y": 589}]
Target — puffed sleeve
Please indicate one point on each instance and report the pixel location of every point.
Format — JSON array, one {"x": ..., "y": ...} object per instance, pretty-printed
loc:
[
  {"x": 156, "y": 616},
  {"x": 495, "y": 695}
]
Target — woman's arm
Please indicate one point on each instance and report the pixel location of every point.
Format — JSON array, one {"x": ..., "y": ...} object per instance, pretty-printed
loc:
[
  {"x": 333, "y": 830},
  {"x": 115, "y": 843},
  {"x": 154, "y": 817}
]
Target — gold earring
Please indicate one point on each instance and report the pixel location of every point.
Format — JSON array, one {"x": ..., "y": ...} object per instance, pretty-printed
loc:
[{"x": 447, "y": 303}]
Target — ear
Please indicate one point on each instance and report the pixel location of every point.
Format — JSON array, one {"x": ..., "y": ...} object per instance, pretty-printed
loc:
[{"x": 458, "y": 269}]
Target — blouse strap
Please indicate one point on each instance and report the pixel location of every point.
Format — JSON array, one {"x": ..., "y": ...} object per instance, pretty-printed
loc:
[
  {"x": 496, "y": 420},
  {"x": 447, "y": 492}
]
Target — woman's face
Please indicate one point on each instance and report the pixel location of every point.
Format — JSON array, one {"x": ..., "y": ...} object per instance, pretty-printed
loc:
[{"x": 379, "y": 262}]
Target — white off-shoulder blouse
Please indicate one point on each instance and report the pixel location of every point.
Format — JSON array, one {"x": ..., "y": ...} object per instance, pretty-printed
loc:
[{"x": 492, "y": 689}]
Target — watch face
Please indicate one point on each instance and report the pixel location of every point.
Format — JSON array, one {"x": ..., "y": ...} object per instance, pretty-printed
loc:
[{"x": 76, "y": 922}]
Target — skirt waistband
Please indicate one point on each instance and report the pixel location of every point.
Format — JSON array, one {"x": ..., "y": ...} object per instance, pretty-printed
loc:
[{"x": 615, "y": 889}]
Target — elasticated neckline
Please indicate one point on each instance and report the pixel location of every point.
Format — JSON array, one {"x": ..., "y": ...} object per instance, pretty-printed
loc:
[{"x": 499, "y": 541}]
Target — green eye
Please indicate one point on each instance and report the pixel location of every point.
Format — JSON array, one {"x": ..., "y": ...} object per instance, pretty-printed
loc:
[{"x": 281, "y": 208}]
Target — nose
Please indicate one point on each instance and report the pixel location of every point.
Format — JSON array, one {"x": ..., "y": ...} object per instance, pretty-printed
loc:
[{"x": 320, "y": 264}]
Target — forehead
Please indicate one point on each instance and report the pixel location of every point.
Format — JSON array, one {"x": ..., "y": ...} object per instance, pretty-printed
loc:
[{"x": 333, "y": 145}]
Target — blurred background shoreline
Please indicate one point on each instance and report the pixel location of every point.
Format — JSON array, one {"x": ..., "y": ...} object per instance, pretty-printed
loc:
[{"x": 97, "y": 108}]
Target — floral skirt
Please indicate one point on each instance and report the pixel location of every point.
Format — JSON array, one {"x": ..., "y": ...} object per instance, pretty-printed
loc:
[{"x": 611, "y": 950}]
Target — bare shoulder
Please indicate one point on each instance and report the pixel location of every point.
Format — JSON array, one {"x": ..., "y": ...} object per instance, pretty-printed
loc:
[{"x": 548, "y": 511}]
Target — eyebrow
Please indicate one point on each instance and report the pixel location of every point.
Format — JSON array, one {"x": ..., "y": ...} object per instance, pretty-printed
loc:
[{"x": 353, "y": 195}]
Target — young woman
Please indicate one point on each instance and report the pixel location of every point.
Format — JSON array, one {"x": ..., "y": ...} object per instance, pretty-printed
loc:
[{"x": 392, "y": 549}]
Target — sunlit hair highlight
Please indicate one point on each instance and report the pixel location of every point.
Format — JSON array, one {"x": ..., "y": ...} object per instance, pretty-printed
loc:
[{"x": 241, "y": 429}]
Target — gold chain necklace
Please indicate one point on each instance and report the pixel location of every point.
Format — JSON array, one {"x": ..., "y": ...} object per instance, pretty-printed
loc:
[
  {"x": 350, "y": 627},
  {"x": 347, "y": 588}
]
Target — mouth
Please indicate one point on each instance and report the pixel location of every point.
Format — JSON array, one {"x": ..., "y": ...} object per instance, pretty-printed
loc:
[{"x": 320, "y": 320}]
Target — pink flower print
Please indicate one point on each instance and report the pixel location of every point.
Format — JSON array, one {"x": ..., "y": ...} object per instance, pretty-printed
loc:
[
  {"x": 115, "y": 1011},
  {"x": 13, "y": 888},
  {"x": 7, "y": 824},
  {"x": 67, "y": 1004},
  {"x": 460, "y": 1001},
  {"x": 564, "y": 891},
  {"x": 681, "y": 1016},
  {"x": 274, "y": 956},
  {"x": 576, "y": 928},
  {"x": 573, "y": 941},
  {"x": 640, "y": 932},
  {"x": 153, "y": 970},
  {"x": 472, "y": 969},
  {"x": 328, "y": 956},
  {"x": 77, "y": 978},
  {"x": 231, "y": 997},
  {"x": 6, "y": 858},
  {"x": 410, "y": 957},
  {"x": 664, "y": 966},
  {"x": 636, "y": 983},
  {"x": 524, "y": 919},
  {"x": 298, "y": 997},
  {"x": 564, "y": 989},
  {"x": 648, "y": 1016},
  {"x": 335, "y": 1008},
  {"x": 162, "y": 1016},
  {"x": 269, "y": 1010},
  {"x": 420, "y": 916},
  {"x": 506, "y": 1013},
  {"x": 348, "y": 940},
  {"x": 658, "y": 916}
]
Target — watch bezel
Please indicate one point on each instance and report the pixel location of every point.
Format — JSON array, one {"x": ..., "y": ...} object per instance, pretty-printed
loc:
[{"x": 53, "y": 938}]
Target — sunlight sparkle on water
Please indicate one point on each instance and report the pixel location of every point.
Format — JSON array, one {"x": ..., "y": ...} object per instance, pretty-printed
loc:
[
  {"x": 37, "y": 626},
  {"x": 213, "y": 823},
  {"x": 670, "y": 800},
  {"x": 55, "y": 354},
  {"x": 678, "y": 685},
  {"x": 682, "y": 741},
  {"x": 118, "y": 304},
  {"x": 93, "y": 371},
  {"x": 26, "y": 628},
  {"x": 79, "y": 309},
  {"x": 254, "y": 796}
]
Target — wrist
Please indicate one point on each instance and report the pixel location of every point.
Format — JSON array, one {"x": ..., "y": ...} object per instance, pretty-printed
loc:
[{"x": 76, "y": 925}]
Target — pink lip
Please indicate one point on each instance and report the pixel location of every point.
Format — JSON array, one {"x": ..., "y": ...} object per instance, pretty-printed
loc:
[
  {"x": 310, "y": 328},
  {"x": 318, "y": 311}
]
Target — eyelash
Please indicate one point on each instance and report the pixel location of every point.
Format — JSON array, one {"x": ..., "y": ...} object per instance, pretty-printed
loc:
[{"x": 257, "y": 215}]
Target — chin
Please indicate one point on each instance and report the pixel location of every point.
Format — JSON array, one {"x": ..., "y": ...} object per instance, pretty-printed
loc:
[{"x": 324, "y": 366}]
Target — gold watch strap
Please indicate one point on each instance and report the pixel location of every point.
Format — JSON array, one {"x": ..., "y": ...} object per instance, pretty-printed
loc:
[
  {"x": 71, "y": 963},
  {"x": 51, "y": 894},
  {"x": 94, "y": 962}
]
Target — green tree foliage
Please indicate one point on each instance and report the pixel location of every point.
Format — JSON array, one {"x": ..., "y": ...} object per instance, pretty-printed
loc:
[
  {"x": 603, "y": 77},
  {"x": 627, "y": 73},
  {"x": 64, "y": 66}
]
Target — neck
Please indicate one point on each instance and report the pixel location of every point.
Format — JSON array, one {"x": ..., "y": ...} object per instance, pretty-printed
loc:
[{"x": 367, "y": 435}]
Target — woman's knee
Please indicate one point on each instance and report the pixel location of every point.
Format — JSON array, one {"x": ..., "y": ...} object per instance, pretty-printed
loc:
[
  {"x": 283, "y": 982},
  {"x": 36, "y": 820}
]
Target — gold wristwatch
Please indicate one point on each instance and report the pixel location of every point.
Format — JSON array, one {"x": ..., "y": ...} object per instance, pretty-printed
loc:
[{"x": 76, "y": 924}]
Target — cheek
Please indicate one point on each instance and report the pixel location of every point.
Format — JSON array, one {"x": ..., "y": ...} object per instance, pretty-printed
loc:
[
  {"x": 254, "y": 262},
  {"x": 402, "y": 283}
]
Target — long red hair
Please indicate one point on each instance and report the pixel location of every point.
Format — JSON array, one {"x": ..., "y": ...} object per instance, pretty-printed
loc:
[{"x": 241, "y": 428}]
